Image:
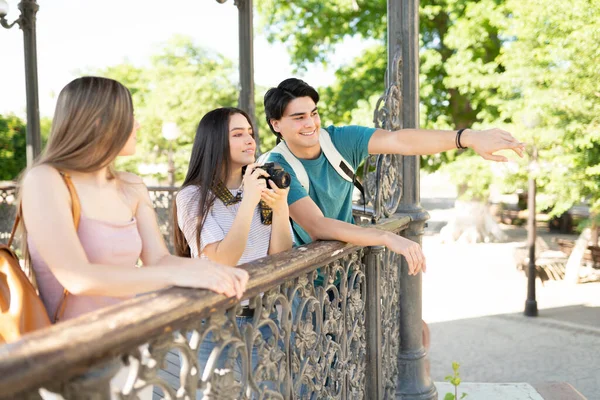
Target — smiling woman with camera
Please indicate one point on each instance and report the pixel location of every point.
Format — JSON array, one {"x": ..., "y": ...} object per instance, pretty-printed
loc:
[
  {"x": 228, "y": 210},
  {"x": 225, "y": 211}
]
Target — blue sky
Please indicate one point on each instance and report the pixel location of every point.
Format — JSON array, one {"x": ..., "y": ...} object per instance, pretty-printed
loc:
[{"x": 76, "y": 35}]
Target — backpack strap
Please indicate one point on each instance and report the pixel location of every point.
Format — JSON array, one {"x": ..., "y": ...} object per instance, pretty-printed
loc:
[
  {"x": 293, "y": 161},
  {"x": 337, "y": 161},
  {"x": 263, "y": 158},
  {"x": 333, "y": 156}
]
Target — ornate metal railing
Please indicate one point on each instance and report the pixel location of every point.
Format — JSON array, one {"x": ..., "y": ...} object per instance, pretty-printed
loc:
[
  {"x": 162, "y": 199},
  {"x": 161, "y": 196},
  {"x": 382, "y": 173},
  {"x": 8, "y": 197},
  {"x": 338, "y": 340}
]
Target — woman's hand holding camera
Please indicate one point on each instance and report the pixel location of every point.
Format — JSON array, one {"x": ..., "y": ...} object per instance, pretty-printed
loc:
[
  {"x": 254, "y": 185},
  {"x": 256, "y": 189},
  {"x": 276, "y": 198}
]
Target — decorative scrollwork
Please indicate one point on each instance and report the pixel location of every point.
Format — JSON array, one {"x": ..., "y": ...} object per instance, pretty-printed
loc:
[
  {"x": 162, "y": 199},
  {"x": 388, "y": 110},
  {"x": 383, "y": 173},
  {"x": 369, "y": 179},
  {"x": 29, "y": 9},
  {"x": 8, "y": 210},
  {"x": 389, "y": 174},
  {"x": 390, "y": 310},
  {"x": 307, "y": 337}
]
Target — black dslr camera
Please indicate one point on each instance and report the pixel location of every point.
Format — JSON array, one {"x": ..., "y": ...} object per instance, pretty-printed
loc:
[{"x": 277, "y": 174}]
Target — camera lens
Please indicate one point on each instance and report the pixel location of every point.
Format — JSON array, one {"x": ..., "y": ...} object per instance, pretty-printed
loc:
[
  {"x": 281, "y": 178},
  {"x": 285, "y": 180}
]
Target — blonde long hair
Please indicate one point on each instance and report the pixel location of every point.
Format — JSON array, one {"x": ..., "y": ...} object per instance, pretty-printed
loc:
[{"x": 92, "y": 122}]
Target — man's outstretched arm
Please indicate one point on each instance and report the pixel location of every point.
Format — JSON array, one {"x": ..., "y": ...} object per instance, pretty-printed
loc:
[
  {"x": 308, "y": 215},
  {"x": 426, "y": 141}
]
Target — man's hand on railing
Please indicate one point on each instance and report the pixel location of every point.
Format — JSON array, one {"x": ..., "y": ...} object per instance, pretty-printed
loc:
[{"x": 410, "y": 250}]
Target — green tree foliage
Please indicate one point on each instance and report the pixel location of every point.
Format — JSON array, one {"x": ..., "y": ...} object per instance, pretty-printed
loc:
[
  {"x": 13, "y": 141},
  {"x": 13, "y": 158},
  {"x": 267, "y": 138},
  {"x": 529, "y": 67},
  {"x": 458, "y": 38},
  {"x": 181, "y": 84},
  {"x": 551, "y": 90},
  {"x": 45, "y": 127}
]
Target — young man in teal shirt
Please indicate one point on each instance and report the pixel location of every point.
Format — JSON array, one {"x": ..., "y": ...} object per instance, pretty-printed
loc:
[{"x": 325, "y": 213}]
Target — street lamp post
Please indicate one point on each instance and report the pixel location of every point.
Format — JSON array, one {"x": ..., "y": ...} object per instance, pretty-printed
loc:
[
  {"x": 531, "y": 309},
  {"x": 531, "y": 120},
  {"x": 170, "y": 131},
  {"x": 26, "y": 22}
]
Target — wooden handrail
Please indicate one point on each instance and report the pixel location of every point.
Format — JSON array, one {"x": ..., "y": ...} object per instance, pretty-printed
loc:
[{"x": 70, "y": 348}]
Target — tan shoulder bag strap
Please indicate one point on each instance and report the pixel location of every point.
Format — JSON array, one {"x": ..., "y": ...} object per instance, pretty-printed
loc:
[
  {"x": 75, "y": 208},
  {"x": 76, "y": 211},
  {"x": 75, "y": 204}
]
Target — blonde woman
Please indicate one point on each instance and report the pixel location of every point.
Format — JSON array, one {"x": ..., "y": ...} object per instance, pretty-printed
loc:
[{"x": 92, "y": 125}]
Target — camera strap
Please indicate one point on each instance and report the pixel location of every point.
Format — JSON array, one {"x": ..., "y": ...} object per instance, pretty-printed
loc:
[{"x": 225, "y": 195}]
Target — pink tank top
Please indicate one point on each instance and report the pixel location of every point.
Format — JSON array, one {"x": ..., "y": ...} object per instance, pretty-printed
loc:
[{"x": 104, "y": 243}]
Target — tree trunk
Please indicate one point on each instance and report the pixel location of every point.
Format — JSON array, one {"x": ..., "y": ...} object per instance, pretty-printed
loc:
[
  {"x": 472, "y": 223},
  {"x": 576, "y": 257},
  {"x": 594, "y": 230}
]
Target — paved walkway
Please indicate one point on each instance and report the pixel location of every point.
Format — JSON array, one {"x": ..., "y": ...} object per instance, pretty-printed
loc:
[{"x": 473, "y": 300}]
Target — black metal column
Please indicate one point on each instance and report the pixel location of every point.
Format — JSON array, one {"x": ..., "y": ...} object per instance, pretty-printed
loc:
[
  {"x": 26, "y": 22},
  {"x": 246, "y": 43},
  {"x": 374, "y": 370},
  {"x": 29, "y": 9},
  {"x": 414, "y": 381}
]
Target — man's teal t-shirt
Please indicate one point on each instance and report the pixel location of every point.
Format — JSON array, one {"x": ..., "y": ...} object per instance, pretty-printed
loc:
[{"x": 330, "y": 192}]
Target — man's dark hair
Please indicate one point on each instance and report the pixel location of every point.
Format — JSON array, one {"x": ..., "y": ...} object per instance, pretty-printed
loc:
[{"x": 277, "y": 99}]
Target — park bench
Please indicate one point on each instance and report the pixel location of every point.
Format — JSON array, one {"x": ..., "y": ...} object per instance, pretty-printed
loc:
[
  {"x": 549, "y": 264},
  {"x": 591, "y": 256}
]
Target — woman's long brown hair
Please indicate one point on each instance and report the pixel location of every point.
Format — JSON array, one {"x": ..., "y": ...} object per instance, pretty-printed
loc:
[
  {"x": 92, "y": 122},
  {"x": 209, "y": 163}
]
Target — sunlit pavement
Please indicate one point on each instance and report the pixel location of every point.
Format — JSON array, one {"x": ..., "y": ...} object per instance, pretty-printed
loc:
[{"x": 473, "y": 300}]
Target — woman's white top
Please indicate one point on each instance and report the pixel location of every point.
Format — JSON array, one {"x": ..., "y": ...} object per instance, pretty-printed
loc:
[{"x": 218, "y": 223}]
